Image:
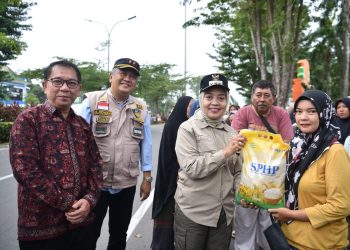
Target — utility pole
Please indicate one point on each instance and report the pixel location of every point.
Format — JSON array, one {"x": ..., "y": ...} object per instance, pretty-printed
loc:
[
  {"x": 109, "y": 32},
  {"x": 184, "y": 3}
]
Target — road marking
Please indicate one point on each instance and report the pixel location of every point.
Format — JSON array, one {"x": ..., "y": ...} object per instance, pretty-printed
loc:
[
  {"x": 135, "y": 220},
  {"x": 1, "y": 149},
  {"x": 6, "y": 177}
]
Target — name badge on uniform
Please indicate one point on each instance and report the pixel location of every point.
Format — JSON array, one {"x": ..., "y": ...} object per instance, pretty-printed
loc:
[
  {"x": 103, "y": 119},
  {"x": 137, "y": 131},
  {"x": 102, "y": 112},
  {"x": 101, "y": 130}
]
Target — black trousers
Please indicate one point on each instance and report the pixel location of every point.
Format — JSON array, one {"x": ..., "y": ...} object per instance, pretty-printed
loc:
[
  {"x": 76, "y": 239},
  {"x": 163, "y": 227},
  {"x": 120, "y": 211}
]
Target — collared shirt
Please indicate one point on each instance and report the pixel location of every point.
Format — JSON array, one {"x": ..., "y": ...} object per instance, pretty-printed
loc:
[
  {"x": 278, "y": 118},
  {"x": 55, "y": 161},
  {"x": 207, "y": 180}
]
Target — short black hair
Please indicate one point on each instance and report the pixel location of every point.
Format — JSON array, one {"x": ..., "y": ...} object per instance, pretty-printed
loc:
[
  {"x": 63, "y": 63},
  {"x": 264, "y": 84}
]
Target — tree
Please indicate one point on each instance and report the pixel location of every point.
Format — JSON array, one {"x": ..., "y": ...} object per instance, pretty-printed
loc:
[
  {"x": 12, "y": 15},
  {"x": 267, "y": 31},
  {"x": 33, "y": 74},
  {"x": 346, "y": 47},
  {"x": 234, "y": 49},
  {"x": 35, "y": 94},
  {"x": 327, "y": 48},
  {"x": 93, "y": 76},
  {"x": 284, "y": 23},
  {"x": 156, "y": 84},
  {"x": 32, "y": 99},
  {"x": 4, "y": 75},
  {"x": 193, "y": 83}
]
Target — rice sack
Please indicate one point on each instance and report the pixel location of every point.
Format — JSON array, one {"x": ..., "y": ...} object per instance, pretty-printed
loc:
[{"x": 264, "y": 168}]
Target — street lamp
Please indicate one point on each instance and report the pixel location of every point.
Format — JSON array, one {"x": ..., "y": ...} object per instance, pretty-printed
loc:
[
  {"x": 109, "y": 32},
  {"x": 184, "y": 3}
]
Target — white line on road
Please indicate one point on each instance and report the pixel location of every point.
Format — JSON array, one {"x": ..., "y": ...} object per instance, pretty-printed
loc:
[
  {"x": 6, "y": 177},
  {"x": 7, "y": 148},
  {"x": 135, "y": 220}
]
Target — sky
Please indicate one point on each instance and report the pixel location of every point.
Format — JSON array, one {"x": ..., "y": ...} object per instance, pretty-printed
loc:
[{"x": 60, "y": 28}]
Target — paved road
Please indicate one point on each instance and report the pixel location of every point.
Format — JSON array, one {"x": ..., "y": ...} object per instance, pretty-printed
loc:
[
  {"x": 139, "y": 238},
  {"x": 140, "y": 229}
]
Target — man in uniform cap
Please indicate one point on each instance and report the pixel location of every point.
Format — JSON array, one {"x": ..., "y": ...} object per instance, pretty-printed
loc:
[
  {"x": 121, "y": 125},
  {"x": 125, "y": 64}
]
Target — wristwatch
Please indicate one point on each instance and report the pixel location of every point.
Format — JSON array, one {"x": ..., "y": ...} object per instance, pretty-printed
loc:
[{"x": 148, "y": 179}]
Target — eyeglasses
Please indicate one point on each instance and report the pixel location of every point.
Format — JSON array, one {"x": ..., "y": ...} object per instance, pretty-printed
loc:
[{"x": 58, "y": 82}]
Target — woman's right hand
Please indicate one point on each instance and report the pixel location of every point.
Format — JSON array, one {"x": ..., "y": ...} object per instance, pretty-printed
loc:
[{"x": 235, "y": 145}]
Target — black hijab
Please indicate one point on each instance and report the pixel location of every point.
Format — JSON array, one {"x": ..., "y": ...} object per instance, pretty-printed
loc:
[
  {"x": 307, "y": 148},
  {"x": 344, "y": 124},
  {"x": 168, "y": 166}
]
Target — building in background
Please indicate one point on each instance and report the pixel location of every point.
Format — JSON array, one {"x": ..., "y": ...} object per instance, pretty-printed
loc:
[{"x": 13, "y": 91}]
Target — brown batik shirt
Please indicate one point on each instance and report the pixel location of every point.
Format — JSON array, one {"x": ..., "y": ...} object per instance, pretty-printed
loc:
[{"x": 55, "y": 162}]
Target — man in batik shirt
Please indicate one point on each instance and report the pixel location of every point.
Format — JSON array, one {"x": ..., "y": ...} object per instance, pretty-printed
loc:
[{"x": 57, "y": 165}]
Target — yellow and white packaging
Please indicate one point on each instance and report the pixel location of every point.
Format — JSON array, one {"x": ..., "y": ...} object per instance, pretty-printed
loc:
[{"x": 264, "y": 168}]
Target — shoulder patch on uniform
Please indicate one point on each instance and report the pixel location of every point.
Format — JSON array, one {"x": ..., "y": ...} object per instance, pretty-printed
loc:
[
  {"x": 103, "y": 98},
  {"x": 137, "y": 113}
]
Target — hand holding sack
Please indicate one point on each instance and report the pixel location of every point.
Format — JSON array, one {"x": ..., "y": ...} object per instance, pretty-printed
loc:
[{"x": 264, "y": 167}]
